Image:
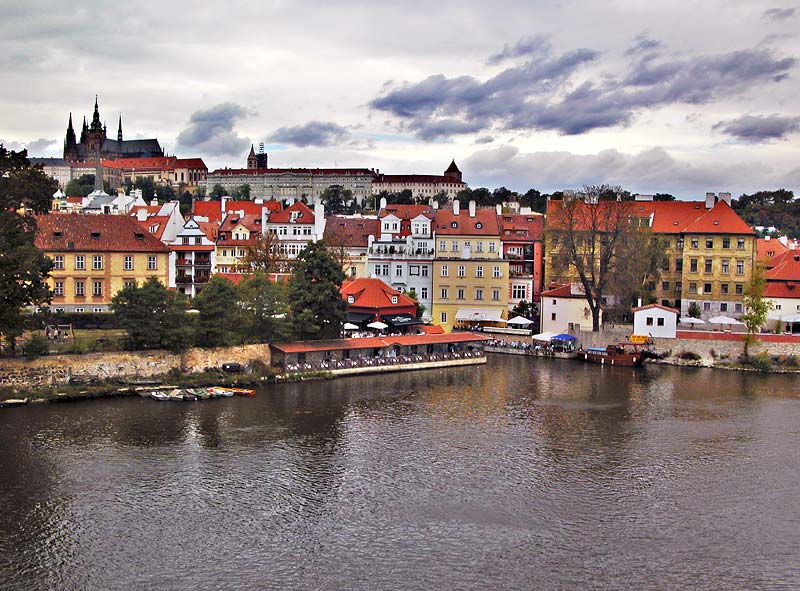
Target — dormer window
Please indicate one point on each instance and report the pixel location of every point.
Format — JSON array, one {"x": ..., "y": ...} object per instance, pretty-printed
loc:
[
  {"x": 478, "y": 225},
  {"x": 454, "y": 224},
  {"x": 58, "y": 234},
  {"x": 139, "y": 235},
  {"x": 95, "y": 235},
  {"x": 351, "y": 299},
  {"x": 394, "y": 299}
]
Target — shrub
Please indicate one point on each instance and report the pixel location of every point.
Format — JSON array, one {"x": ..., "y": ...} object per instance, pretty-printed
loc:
[
  {"x": 36, "y": 347},
  {"x": 761, "y": 361},
  {"x": 689, "y": 356}
]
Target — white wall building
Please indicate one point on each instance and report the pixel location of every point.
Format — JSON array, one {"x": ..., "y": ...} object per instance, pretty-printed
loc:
[
  {"x": 565, "y": 308},
  {"x": 655, "y": 321}
]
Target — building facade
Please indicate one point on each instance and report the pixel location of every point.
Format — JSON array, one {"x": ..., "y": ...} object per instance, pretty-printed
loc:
[
  {"x": 192, "y": 259},
  {"x": 422, "y": 186}
]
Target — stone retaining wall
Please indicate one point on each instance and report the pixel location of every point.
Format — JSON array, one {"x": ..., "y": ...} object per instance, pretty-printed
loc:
[{"x": 57, "y": 369}]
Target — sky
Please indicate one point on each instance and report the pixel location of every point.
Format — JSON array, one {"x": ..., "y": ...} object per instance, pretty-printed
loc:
[{"x": 682, "y": 97}]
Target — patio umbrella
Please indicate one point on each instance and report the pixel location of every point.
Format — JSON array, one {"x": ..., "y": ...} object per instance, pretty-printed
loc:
[
  {"x": 378, "y": 325},
  {"x": 791, "y": 318},
  {"x": 521, "y": 320},
  {"x": 350, "y": 326},
  {"x": 724, "y": 320},
  {"x": 544, "y": 336},
  {"x": 691, "y": 320}
]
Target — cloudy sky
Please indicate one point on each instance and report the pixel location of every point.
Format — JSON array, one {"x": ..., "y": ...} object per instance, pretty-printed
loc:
[{"x": 681, "y": 97}]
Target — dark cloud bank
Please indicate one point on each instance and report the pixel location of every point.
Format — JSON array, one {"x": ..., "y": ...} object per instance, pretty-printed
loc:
[
  {"x": 313, "y": 133},
  {"x": 211, "y": 131},
  {"x": 759, "y": 128}
]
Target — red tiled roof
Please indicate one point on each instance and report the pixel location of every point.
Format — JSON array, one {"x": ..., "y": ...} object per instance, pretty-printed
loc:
[
  {"x": 452, "y": 167},
  {"x": 377, "y": 342},
  {"x": 116, "y": 233},
  {"x": 522, "y": 227},
  {"x": 75, "y": 199},
  {"x": 430, "y": 179},
  {"x": 465, "y": 225},
  {"x": 190, "y": 163},
  {"x": 431, "y": 329},
  {"x": 305, "y": 215},
  {"x": 156, "y": 162},
  {"x": 150, "y": 209},
  {"x": 314, "y": 171},
  {"x": 160, "y": 221},
  {"x": 374, "y": 294},
  {"x": 210, "y": 229},
  {"x": 782, "y": 289},
  {"x": 766, "y": 249},
  {"x": 234, "y": 220},
  {"x": 784, "y": 267},
  {"x": 651, "y": 306},
  {"x": 213, "y": 209},
  {"x": 562, "y": 291},
  {"x": 406, "y": 212},
  {"x": 350, "y": 232},
  {"x": 235, "y": 278}
]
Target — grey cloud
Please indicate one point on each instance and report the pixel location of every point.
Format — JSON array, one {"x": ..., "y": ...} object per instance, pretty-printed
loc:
[
  {"x": 211, "y": 131},
  {"x": 313, "y": 133},
  {"x": 778, "y": 14},
  {"x": 642, "y": 44},
  {"x": 34, "y": 147},
  {"x": 540, "y": 93},
  {"x": 759, "y": 128},
  {"x": 528, "y": 46},
  {"x": 650, "y": 171},
  {"x": 486, "y": 139}
]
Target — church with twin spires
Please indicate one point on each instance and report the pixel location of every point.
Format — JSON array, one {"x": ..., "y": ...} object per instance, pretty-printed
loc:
[{"x": 95, "y": 144}]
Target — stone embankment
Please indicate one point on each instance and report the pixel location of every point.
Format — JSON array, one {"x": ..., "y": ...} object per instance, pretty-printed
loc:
[{"x": 56, "y": 370}]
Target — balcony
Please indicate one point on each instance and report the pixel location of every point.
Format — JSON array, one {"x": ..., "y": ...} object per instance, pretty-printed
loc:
[{"x": 391, "y": 251}]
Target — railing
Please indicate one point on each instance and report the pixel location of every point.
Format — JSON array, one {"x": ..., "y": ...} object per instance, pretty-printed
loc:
[{"x": 333, "y": 364}]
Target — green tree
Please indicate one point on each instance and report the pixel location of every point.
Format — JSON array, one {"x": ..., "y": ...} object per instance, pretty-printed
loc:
[
  {"x": 317, "y": 305},
  {"x": 217, "y": 191},
  {"x": 535, "y": 200},
  {"x": 694, "y": 310},
  {"x": 663, "y": 197},
  {"x": 263, "y": 309},
  {"x": 153, "y": 316},
  {"x": 216, "y": 324},
  {"x": 335, "y": 198},
  {"x": 23, "y": 267},
  {"x": 164, "y": 193},
  {"x": 442, "y": 198},
  {"x": 420, "y": 308},
  {"x": 84, "y": 185},
  {"x": 241, "y": 192},
  {"x": 523, "y": 308},
  {"x": 147, "y": 186},
  {"x": 404, "y": 197},
  {"x": 757, "y": 308}
]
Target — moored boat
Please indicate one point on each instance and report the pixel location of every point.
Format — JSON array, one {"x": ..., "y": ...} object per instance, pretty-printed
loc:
[
  {"x": 156, "y": 395},
  {"x": 622, "y": 354}
]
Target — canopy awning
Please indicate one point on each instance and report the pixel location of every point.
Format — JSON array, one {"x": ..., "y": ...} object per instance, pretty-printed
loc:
[
  {"x": 544, "y": 336},
  {"x": 378, "y": 325},
  {"x": 690, "y": 320},
  {"x": 358, "y": 317},
  {"x": 724, "y": 320},
  {"x": 564, "y": 337},
  {"x": 350, "y": 326},
  {"x": 479, "y": 315},
  {"x": 398, "y": 320},
  {"x": 791, "y": 318},
  {"x": 520, "y": 320}
]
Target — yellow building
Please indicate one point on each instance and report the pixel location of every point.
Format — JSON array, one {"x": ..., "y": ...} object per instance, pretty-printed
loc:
[
  {"x": 95, "y": 256},
  {"x": 235, "y": 239},
  {"x": 470, "y": 276}
]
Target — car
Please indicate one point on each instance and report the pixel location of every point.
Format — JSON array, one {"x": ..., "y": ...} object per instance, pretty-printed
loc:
[{"x": 232, "y": 367}]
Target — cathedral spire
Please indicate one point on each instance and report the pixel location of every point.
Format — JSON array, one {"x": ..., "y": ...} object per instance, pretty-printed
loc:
[
  {"x": 96, "y": 125},
  {"x": 119, "y": 131}
]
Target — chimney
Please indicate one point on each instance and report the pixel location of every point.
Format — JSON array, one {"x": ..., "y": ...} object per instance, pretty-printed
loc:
[
  {"x": 264, "y": 218},
  {"x": 141, "y": 214},
  {"x": 499, "y": 209},
  {"x": 258, "y": 201},
  {"x": 711, "y": 199},
  {"x": 383, "y": 203},
  {"x": 222, "y": 203},
  {"x": 639, "y": 197},
  {"x": 319, "y": 220},
  {"x": 726, "y": 197},
  {"x": 472, "y": 209},
  {"x": 455, "y": 207},
  {"x": 435, "y": 205},
  {"x": 154, "y": 202}
]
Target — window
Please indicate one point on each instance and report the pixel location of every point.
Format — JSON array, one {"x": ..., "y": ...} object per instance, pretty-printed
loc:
[
  {"x": 706, "y": 288},
  {"x": 695, "y": 243},
  {"x": 665, "y": 264},
  {"x": 693, "y": 265},
  {"x": 726, "y": 266},
  {"x": 127, "y": 284},
  {"x": 79, "y": 310},
  {"x": 442, "y": 245},
  {"x": 740, "y": 244},
  {"x": 479, "y": 294},
  {"x": 80, "y": 262},
  {"x": 444, "y": 271},
  {"x": 519, "y": 292},
  {"x": 693, "y": 288},
  {"x": 723, "y": 288},
  {"x": 454, "y": 246},
  {"x": 127, "y": 263},
  {"x": 58, "y": 262},
  {"x": 97, "y": 262},
  {"x": 553, "y": 316},
  {"x": 80, "y": 289},
  {"x": 737, "y": 307},
  {"x": 706, "y": 306},
  {"x": 709, "y": 243},
  {"x": 444, "y": 293},
  {"x": 479, "y": 271},
  {"x": 679, "y": 265},
  {"x": 224, "y": 252},
  {"x": 353, "y": 272},
  {"x": 496, "y": 272},
  {"x": 679, "y": 243},
  {"x": 444, "y": 317},
  {"x": 708, "y": 265},
  {"x": 492, "y": 247},
  {"x": 740, "y": 267},
  {"x": 97, "y": 288},
  {"x": 97, "y": 310},
  {"x": 739, "y": 289},
  {"x": 496, "y": 295},
  {"x": 185, "y": 240},
  {"x": 461, "y": 271},
  {"x": 151, "y": 263},
  {"x": 423, "y": 293},
  {"x": 241, "y": 253},
  {"x": 554, "y": 302},
  {"x": 460, "y": 293},
  {"x": 413, "y": 270},
  {"x": 678, "y": 287},
  {"x": 351, "y": 299},
  {"x": 394, "y": 299},
  {"x": 723, "y": 307},
  {"x": 665, "y": 286},
  {"x": 58, "y": 288},
  {"x": 424, "y": 270},
  {"x": 726, "y": 242},
  {"x": 398, "y": 270},
  {"x": 649, "y": 321},
  {"x": 479, "y": 246},
  {"x": 659, "y": 321}
]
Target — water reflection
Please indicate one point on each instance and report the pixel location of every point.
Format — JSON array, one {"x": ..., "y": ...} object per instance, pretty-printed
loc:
[{"x": 521, "y": 474}]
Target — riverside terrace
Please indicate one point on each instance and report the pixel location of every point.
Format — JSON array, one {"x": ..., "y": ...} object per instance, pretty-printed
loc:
[{"x": 379, "y": 354}]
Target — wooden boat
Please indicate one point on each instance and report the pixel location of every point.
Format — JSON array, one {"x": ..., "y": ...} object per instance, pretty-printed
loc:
[
  {"x": 219, "y": 392},
  {"x": 231, "y": 391},
  {"x": 622, "y": 354},
  {"x": 156, "y": 395}
]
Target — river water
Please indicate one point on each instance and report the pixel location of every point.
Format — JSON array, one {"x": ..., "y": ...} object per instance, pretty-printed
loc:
[{"x": 521, "y": 474}]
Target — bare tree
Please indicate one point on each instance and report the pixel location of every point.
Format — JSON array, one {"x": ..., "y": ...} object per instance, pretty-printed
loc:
[{"x": 265, "y": 254}]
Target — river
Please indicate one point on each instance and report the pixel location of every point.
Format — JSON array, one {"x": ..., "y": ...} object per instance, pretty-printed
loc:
[{"x": 521, "y": 474}]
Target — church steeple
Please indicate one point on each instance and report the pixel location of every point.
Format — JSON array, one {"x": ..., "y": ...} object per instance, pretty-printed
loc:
[
  {"x": 96, "y": 125},
  {"x": 119, "y": 131},
  {"x": 251, "y": 158},
  {"x": 71, "y": 141},
  {"x": 84, "y": 129}
]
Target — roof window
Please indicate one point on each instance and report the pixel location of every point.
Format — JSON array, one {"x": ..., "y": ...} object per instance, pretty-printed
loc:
[
  {"x": 95, "y": 235},
  {"x": 58, "y": 234},
  {"x": 454, "y": 224},
  {"x": 139, "y": 235},
  {"x": 478, "y": 225}
]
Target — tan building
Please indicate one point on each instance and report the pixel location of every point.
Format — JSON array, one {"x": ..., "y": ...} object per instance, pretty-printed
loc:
[
  {"x": 95, "y": 256},
  {"x": 422, "y": 186}
]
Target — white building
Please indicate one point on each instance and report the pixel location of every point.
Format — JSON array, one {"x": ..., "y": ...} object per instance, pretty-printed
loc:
[
  {"x": 294, "y": 227},
  {"x": 422, "y": 186},
  {"x": 565, "y": 308},
  {"x": 57, "y": 168},
  {"x": 655, "y": 321},
  {"x": 192, "y": 259}
]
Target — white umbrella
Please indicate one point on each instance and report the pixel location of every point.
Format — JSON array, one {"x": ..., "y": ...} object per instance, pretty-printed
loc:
[
  {"x": 724, "y": 320},
  {"x": 350, "y": 326},
  {"x": 378, "y": 325},
  {"x": 521, "y": 320},
  {"x": 691, "y": 320},
  {"x": 791, "y": 318},
  {"x": 544, "y": 336}
]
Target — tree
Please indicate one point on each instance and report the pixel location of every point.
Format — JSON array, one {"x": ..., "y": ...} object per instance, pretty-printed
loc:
[
  {"x": 147, "y": 186},
  {"x": 694, "y": 310},
  {"x": 420, "y": 310},
  {"x": 442, "y": 198},
  {"x": 263, "y": 309},
  {"x": 153, "y": 316},
  {"x": 317, "y": 305},
  {"x": 535, "y": 200},
  {"x": 217, "y": 191},
  {"x": 216, "y": 323},
  {"x": 404, "y": 197},
  {"x": 241, "y": 192},
  {"x": 663, "y": 197},
  {"x": 84, "y": 185},
  {"x": 24, "y": 191},
  {"x": 335, "y": 199},
  {"x": 523, "y": 308},
  {"x": 164, "y": 193},
  {"x": 264, "y": 255},
  {"x": 587, "y": 237},
  {"x": 757, "y": 308},
  {"x": 643, "y": 254}
]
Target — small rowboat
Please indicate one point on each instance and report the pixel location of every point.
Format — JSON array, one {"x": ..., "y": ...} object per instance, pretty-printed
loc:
[
  {"x": 231, "y": 391},
  {"x": 156, "y": 395},
  {"x": 220, "y": 392}
]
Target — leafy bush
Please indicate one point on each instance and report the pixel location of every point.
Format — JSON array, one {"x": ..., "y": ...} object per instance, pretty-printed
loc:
[
  {"x": 36, "y": 347},
  {"x": 761, "y": 361},
  {"x": 689, "y": 356}
]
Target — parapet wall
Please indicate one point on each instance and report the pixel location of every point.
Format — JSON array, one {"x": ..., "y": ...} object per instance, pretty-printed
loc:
[{"x": 57, "y": 369}]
